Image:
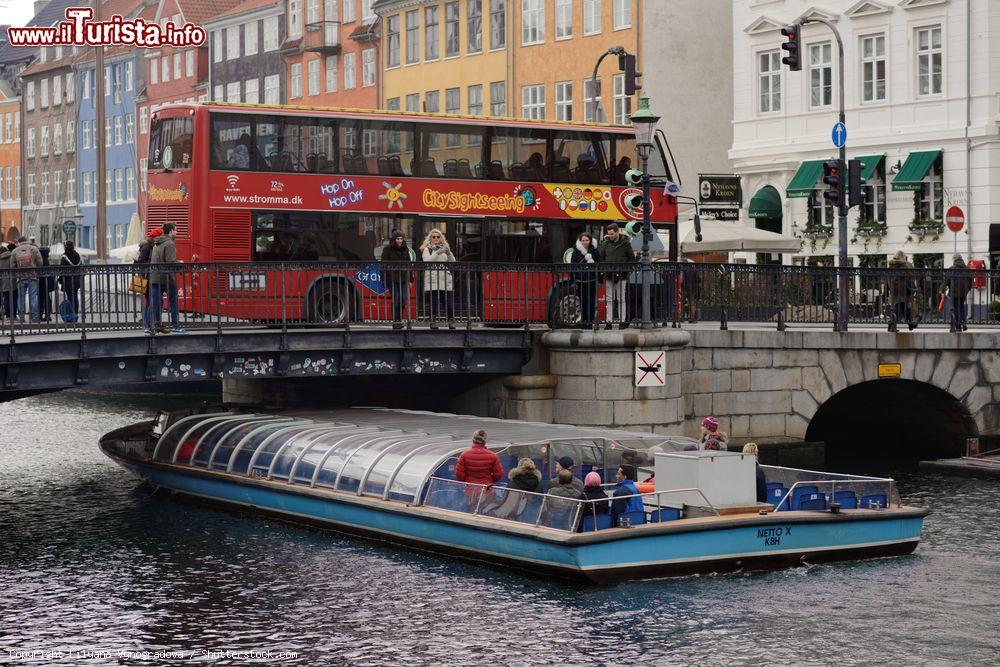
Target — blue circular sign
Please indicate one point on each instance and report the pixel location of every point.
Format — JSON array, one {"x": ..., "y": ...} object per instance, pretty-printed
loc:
[{"x": 839, "y": 135}]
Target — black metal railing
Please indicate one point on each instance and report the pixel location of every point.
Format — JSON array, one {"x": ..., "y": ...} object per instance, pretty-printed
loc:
[{"x": 302, "y": 294}]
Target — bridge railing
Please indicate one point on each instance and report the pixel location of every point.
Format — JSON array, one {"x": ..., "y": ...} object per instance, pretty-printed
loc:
[{"x": 222, "y": 295}]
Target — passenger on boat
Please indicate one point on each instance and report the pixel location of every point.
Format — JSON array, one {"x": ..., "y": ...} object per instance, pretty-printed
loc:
[
  {"x": 565, "y": 487},
  {"x": 525, "y": 477},
  {"x": 751, "y": 448},
  {"x": 556, "y": 513},
  {"x": 625, "y": 486},
  {"x": 565, "y": 463},
  {"x": 711, "y": 436},
  {"x": 478, "y": 465},
  {"x": 592, "y": 491}
]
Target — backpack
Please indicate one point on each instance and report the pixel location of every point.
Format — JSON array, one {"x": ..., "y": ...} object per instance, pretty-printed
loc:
[
  {"x": 23, "y": 259},
  {"x": 66, "y": 311}
]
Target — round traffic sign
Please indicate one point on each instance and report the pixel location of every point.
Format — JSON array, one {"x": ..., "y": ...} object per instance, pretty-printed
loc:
[{"x": 955, "y": 219}]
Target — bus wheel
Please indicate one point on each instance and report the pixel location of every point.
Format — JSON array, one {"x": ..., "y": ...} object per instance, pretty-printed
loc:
[
  {"x": 565, "y": 309},
  {"x": 329, "y": 302}
]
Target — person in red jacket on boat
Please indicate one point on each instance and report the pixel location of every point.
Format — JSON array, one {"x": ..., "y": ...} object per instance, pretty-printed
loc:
[{"x": 478, "y": 465}]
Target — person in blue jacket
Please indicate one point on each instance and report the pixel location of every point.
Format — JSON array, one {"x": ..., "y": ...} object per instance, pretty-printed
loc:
[{"x": 625, "y": 486}]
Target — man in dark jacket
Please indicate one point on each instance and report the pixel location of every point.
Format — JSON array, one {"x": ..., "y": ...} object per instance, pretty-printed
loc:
[
  {"x": 616, "y": 248},
  {"x": 398, "y": 280},
  {"x": 163, "y": 280},
  {"x": 145, "y": 253},
  {"x": 565, "y": 463},
  {"x": 900, "y": 286},
  {"x": 625, "y": 486},
  {"x": 959, "y": 287}
]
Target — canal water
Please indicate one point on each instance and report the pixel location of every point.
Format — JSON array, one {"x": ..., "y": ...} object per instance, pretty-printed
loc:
[{"x": 93, "y": 563}]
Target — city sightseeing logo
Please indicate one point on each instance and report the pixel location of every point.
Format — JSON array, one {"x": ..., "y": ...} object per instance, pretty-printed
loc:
[
  {"x": 234, "y": 183},
  {"x": 393, "y": 194},
  {"x": 79, "y": 30},
  {"x": 178, "y": 194}
]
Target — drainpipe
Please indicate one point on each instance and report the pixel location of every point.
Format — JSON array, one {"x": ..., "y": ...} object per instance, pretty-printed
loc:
[{"x": 968, "y": 124}]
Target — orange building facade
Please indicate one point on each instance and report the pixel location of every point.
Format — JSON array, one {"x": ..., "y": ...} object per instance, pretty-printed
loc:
[
  {"x": 331, "y": 53},
  {"x": 10, "y": 168},
  {"x": 557, "y": 43}
]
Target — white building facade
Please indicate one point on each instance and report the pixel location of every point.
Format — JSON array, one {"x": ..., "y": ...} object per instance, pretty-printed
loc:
[{"x": 922, "y": 90}]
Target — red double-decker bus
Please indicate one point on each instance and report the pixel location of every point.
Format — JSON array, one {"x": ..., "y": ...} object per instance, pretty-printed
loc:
[{"x": 264, "y": 184}]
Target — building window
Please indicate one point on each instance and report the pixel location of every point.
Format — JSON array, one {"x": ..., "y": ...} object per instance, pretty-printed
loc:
[
  {"x": 271, "y": 33},
  {"x": 431, "y": 33},
  {"x": 350, "y": 71},
  {"x": 57, "y": 139},
  {"x": 129, "y": 183},
  {"x": 588, "y": 102},
  {"x": 178, "y": 72},
  {"x": 331, "y": 74},
  {"x": 8, "y": 128},
  {"x": 129, "y": 128},
  {"x": 154, "y": 74},
  {"x": 56, "y": 90},
  {"x": 70, "y": 137},
  {"x": 533, "y": 102},
  {"x": 330, "y": 11},
  {"x": 119, "y": 190},
  {"x": 623, "y": 14},
  {"x": 873, "y": 206},
  {"x": 412, "y": 37},
  {"x": 233, "y": 89},
  {"x": 31, "y": 189},
  {"x": 164, "y": 73},
  {"x": 232, "y": 43},
  {"x": 45, "y": 187},
  {"x": 769, "y": 81},
  {"x": 532, "y": 22},
  {"x": 348, "y": 11},
  {"x": 591, "y": 17},
  {"x": 498, "y": 24},
  {"x": 564, "y": 19},
  {"x": 313, "y": 76},
  {"x": 820, "y": 210},
  {"x": 929, "y": 61},
  {"x": 70, "y": 185},
  {"x": 218, "y": 93},
  {"x": 143, "y": 168},
  {"x": 29, "y": 96},
  {"x": 368, "y": 67},
  {"x": 30, "y": 150},
  {"x": 820, "y": 75},
  {"x": 452, "y": 105},
  {"x": 57, "y": 192},
  {"x": 107, "y": 133},
  {"x": 312, "y": 11},
  {"x": 43, "y": 93},
  {"x": 217, "y": 46},
  {"x": 451, "y": 43},
  {"x": 564, "y": 100},
  {"x": 143, "y": 120},
  {"x": 251, "y": 91},
  {"x": 44, "y": 149},
  {"x": 88, "y": 187},
  {"x": 623, "y": 102},
  {"x": 272, "y": 89},
  {"x": 119, "y": 134},
  {"x": 295, "y": 85},
  {"x": 432, "y": 104},
  {"x": 873, "y": 68},
  {"x": 189, "y": 55},
  {"x": 392, "y": 35},
  {"x": 474, "y": 105},
  {"x": 85, "y": 78},
  {"x": 249, "y": 44},
  {"x": 498, "y": 99},
  {"x": 475, "y": 26},
  {"x": 85, "y": 127},
  {"x": 931, "y": 196},
  {"x": 71, "y": 86},
  {"x": 294, "y": 17}
]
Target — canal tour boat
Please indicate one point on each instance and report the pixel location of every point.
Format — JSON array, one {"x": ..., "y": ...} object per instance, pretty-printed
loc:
[{"x": 389, "y": 475}]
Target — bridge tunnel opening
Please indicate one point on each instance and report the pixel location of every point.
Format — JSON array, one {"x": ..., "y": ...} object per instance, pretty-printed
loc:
[{"x": 891, "y": 421}]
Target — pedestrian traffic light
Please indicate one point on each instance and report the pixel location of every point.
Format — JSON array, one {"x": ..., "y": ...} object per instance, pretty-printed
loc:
[
  {"x": 626, "y": 63},
  {"x": 833, "y": 177},
  {"x": 633, "y": 178},
  {"x": 633, "y": 202},
  {"x": 793, "y": 46},
  {"x": 855, "y": 190}
]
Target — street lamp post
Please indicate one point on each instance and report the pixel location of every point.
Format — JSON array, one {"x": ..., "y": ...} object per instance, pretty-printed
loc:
[{"x": 644, "y": 122}]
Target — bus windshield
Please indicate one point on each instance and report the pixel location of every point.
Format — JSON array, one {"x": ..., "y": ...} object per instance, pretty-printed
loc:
[{"x": 170, "y": 142}]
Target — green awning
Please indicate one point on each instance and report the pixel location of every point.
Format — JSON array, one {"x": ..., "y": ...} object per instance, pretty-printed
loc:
[
  {"x": 911, "y": 175},
  {"x": 765, "y": 204},
  {"x": 804, "y": 181},
  {"x": 871, "y": 163}
]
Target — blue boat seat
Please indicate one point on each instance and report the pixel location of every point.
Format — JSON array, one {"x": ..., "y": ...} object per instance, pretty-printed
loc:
[
  {"x": 634, "y": 518},
  {"x": 603, "y": 521},
  {"x": 448, "y": 499},
  {"x": 664, "y": 514},
  {"x": 800, "y": 492},
  {"x": 530, "y": 512},
  {"x": 875, "y": 501},
  {"x": 811, "y": 501},
  {"x": 775, "y": 492},
  {"x": 848, "y": 499}
]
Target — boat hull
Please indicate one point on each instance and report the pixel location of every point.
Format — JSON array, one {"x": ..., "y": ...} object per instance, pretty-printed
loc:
[{"x": 776, "y": 540}]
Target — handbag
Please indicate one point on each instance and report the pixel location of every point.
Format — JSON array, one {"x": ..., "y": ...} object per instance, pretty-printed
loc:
[{"x": 138, "y": 284}]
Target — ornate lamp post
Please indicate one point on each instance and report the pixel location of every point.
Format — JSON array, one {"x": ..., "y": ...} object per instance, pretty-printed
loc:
[{"x": 644, "y": 122}]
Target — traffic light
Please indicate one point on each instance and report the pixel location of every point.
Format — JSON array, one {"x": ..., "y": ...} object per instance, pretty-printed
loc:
[
  {"x": 633, "y": 178},
  {"x": 833, "y": 177},
  {"x": 793, "y": 46},
  {"x": 626, "y": 63},
  {"x": 855, "y": 193},
  {"x": 634, "y": 202}
]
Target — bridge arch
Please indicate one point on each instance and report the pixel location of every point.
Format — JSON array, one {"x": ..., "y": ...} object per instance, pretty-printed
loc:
[{"x": 892, "y": 419}]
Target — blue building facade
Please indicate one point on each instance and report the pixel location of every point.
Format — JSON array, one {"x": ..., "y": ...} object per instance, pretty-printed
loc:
[{"x": 123, "y": 80}]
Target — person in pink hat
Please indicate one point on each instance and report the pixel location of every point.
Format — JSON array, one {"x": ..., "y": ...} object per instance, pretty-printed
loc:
[
  {"x": 592, "y": 491},
  {"x": 711, "y": 436}
]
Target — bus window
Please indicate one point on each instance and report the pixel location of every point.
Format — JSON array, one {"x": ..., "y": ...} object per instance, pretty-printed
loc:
[
  {"x": 170, "y": 142},
  {"x": 231, "y": 143},
  {"x": 624, "y": 153},
  {"x": 303, "y": 237},
  {"x": 449, "y": 151},
  {"x": 291, "y": 144},
  {"x": 522, "y": 152},
  {"x": 579, "y": 157},
  {"x": 380, "y": 147}
]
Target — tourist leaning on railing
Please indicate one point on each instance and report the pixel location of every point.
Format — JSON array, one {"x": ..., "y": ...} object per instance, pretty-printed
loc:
[
  {"x": 478, "y": 467},
  {"x": 585, "y": 255}
]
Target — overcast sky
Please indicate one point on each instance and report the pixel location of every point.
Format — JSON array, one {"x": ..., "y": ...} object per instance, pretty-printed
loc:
[{"x": 16, "y": 12}]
